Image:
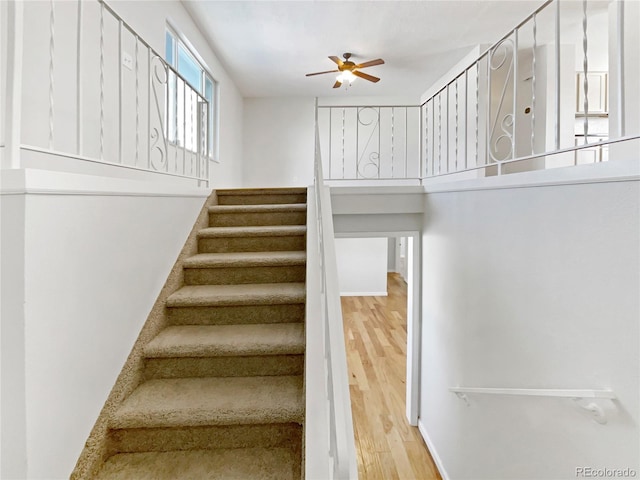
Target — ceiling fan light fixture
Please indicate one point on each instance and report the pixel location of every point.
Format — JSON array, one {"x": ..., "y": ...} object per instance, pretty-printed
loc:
[{"x": 346, "y": 77}]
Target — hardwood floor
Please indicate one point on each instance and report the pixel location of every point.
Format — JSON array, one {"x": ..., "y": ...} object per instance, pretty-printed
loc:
[{"x": 376, "y": 338}]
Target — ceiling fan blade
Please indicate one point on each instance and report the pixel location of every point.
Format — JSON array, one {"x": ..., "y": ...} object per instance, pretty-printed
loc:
[
  {"x": 370, "y": 63},
  {"x": 371, "y": 78},
  {"x": 320, "y": 73},
  {"x": 338, "y": 84},
  {"x": 337, "y": 60}
]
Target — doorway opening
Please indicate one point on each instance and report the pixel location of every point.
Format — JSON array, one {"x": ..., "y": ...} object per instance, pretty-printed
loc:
[{"x": 378, "y": 293}]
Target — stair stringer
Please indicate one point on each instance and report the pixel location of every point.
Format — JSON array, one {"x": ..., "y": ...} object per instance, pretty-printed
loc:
[{"x": 96, "y": 450}]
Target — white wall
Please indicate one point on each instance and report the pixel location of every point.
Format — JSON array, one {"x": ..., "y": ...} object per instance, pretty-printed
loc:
[
  {"x": 402, "y": 257},
  {"x": 89, "y": 281},
  {"x": 13, "y": 460},
  {"x": 391, "y": 254},
  {"x": 278, "y": 142},
  {"x": 531, "y": 288},
  {"x": 362, "y": 266}
]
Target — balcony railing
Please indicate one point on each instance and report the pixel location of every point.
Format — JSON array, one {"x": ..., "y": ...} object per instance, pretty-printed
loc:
[
  {"x": 370, "y": 142},
  {"x": 547, "y": 94},
  {"x": 110, "y": 97}
]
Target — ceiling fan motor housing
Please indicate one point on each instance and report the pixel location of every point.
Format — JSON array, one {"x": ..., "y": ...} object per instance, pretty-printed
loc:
[{"x": 347, "y": 64}]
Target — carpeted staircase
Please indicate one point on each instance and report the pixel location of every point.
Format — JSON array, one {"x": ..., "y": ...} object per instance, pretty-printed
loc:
[{"x": 222, "y": 390}]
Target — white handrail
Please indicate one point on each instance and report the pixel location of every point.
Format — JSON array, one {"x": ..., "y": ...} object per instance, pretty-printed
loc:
[
  {"x": 583, "y": 398},
  {"x": 537, "y": 392},
  {"x": 317, "y": 413},
  {"x": 329, "y": 437}
]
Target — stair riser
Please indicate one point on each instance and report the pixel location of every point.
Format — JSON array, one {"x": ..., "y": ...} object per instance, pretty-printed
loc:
[
  {"x": 236, "y": 314},
  {"x": 217, "y": 219},
  {"x": 265, "y": 365},
  {"x": 243, "y": 275},
  {"x": 251, "y": 244},
  {"x": 203, "y": 438},
  {"x": 266, "y": 199}
]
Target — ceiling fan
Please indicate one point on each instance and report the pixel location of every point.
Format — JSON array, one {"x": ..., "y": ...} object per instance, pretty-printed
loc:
[{"x": 350, "y": 69}]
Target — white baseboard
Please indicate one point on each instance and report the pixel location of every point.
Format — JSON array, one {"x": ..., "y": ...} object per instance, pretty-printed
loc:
[
  {"x": 363, "y": 294},
  {"x": 432, "y": 450}
]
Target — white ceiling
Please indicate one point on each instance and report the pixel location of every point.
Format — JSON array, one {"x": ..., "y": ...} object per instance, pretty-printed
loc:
[{"x": 268, "y": 46}]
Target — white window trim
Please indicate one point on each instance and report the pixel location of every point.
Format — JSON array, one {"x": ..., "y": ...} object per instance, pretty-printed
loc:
[{"x": 191, "y": 50}]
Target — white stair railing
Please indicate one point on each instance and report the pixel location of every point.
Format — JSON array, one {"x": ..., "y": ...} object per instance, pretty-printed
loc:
[
  {"x": 522, "y": 106},
  {"x": 329, "y": 437},
  {"x": 107, "y": 97}
]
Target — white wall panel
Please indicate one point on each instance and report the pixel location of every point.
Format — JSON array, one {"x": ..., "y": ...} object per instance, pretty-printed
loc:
[{"x": 531, "y": 288}]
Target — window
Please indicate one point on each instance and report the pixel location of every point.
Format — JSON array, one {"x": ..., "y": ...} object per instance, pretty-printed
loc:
[{"x": 180, "y": 105}]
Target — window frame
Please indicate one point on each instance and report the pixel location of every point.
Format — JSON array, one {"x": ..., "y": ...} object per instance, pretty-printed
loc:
[{"x": 213, "y": 128}]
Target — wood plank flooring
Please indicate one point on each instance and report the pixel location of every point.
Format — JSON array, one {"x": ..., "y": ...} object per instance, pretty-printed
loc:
[{"x": 376, "y": 338}]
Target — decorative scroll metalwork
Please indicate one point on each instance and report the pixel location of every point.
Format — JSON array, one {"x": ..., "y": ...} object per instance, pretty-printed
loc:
[
  {"x": 101, "y": 80},
  {"x": 203, "y": 122},
  {"x": 585, "y": 66},
  {"x": 159, "y": 80},
  {"x": 194, "y": 142},
  {"x": 79, "y": 86},
  {"x": 175, "y": 138},
  {"x": 456, "y": 145},
  {"x": 477, "y": 123},
  {"x": 392, "y": 137},
  {"x": 426, "y": 138},
  {"x": 368, "y": 165},
  {"x": 343, "y": 124},
  {"x": 501, "y": 61},
  {"x": 533, "y": 84},
  {"x": 137, "y": 73},
  {"x": 439, "y": 133},
  {"x": 52, "y": 49}
]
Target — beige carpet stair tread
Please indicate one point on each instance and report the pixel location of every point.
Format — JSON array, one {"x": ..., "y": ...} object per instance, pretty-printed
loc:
[
  {"x": 244, "y": 294},
  {"x": 246, "y": 259},
  {"x": 183, "y": 402},
  {"x": 219, "y": 340},
  {"x": 262, "y": 191},
  {"x": 266, "y": 208},
  {"x": 253, "y": 231},
  {"x": 239, "y": 463}
]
